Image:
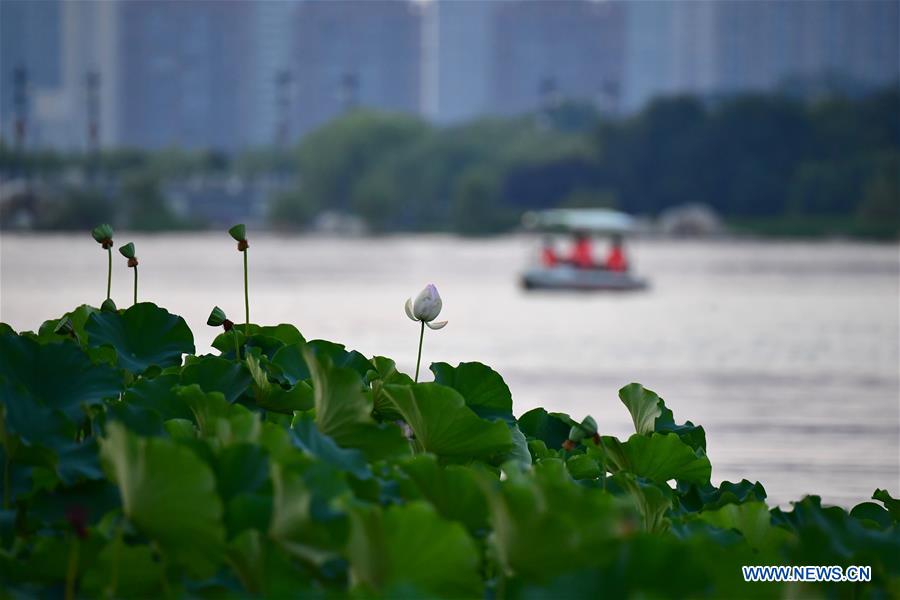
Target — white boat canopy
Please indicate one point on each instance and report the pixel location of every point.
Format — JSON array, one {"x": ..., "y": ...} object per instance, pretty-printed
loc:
[{"x": 591, "y": 220}]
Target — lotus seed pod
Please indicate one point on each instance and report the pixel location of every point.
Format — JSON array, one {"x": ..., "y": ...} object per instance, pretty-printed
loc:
[
  {"x": 103, "y": 234},
  {"x": 108, "y": 305},
  {"x": 238, "y": 232},
  {"x": 576, "y": 434},
  {"x": 589, "y": 425},
  {"x": 64, "y": 327},
  {"x": 216, "y": 317},
  {"x": 127, "y": 250},
  {"x": 427, "y": 305}
]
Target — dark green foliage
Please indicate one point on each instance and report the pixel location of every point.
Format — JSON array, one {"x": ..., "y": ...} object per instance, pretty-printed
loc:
[{"x": 132, "y": 470}]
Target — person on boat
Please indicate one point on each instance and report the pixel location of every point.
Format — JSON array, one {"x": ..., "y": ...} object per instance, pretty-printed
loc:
[
  {"x": 549, "y": 257},
  {"x": 615, "y": 260},
  {"x": 583, "y": 251}
]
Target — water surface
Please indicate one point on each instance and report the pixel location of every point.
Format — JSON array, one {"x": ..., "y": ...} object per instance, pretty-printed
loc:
[{"x": 787, "y": 353}]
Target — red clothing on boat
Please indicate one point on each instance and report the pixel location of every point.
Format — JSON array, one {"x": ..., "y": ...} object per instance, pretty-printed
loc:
[
  {"x": 548, "y": 257},
  {"x": 582, "y": 254},
  {"x": 616, "y": 260}
]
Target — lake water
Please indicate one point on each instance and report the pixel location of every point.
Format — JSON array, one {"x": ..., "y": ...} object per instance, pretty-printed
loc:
[{"x": 787, "y": 353}]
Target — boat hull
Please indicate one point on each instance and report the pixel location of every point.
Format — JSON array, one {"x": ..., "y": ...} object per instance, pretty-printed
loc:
[{"x": 571, "y": 278}]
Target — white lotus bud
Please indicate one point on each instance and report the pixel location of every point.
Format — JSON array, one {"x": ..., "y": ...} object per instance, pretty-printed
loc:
[{"x": 426, "y": 307}]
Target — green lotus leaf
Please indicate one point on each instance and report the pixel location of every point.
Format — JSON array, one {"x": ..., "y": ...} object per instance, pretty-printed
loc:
[
  {"x": 309, "y": 439},
  {"x": 452, "y": 490},
  {"x": 143, "y": 336},
  {"x": 126, "y": 571},
  {"x": 519, "y": 453},
  {"x": 29, "y": 423},
  {"x": 483, "y": 388},
  {"x": 215, "y": 374},
  {"x": 694, "y": 498},
  {"x": 445, "y": 426},
  {"x": 891, "y": 504},
  {"x": 413, "y": 546},
  {"x": 223, "y": 424},
  {"x": 827, "y": 535},
  {"x": 64, "y": 328},
  {"x": 292, "y": 366},
  {"x": 290, "y": 359},
  {"x": 488, "y": 396},
  {"x": 157, "y": 394},
  {"x": 304, "y": 521},
  {"x": 384, "y": 372},
  {"x": 265, "y": 570},
  {"x": 272, "y": 396},
  {"x": 344, "y": 410},
  {"x": 269, "y": 338},
  {"x": 138, "y": 419},
  {"x": 241, "y": 468},
  {"x": 650, "y": 414},
  {"x": 181, "y": 429},
  {"x": 753, "y": 521},
  {"x": 658, "y": 457},
  {"x": 551, "y": 428},
  {"x": 283, "y": 332},
  {"x": 169, "y": 494},
  {"x": 652, "y": 500},
  {"x": 582, "y": 466},
  {"x": 57, "y": 376},
  {"x": 872, "y": 515},
  {"x": 207, "y": 409},
  {"x": 533, "y": 506},
  {"x": 78, "y": 461}
]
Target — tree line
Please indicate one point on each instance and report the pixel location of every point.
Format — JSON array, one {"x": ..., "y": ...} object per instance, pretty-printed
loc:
[{"x": 759, "y": 160}]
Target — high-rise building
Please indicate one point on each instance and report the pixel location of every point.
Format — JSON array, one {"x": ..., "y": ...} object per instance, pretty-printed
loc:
[
  {"x": 458, "y": 44},
  {"x": 356, "y": 53},
  {"x": 273, "y": 85},
  {"x": 185, "y": 73},
  {"x": 712, "y": 48},
  {"x": 30, "y": 66},
  {"x": 544, "y": 50}
]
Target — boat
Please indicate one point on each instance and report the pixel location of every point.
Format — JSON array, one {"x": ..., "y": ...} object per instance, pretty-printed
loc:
[{"x": 593, "y": 222}]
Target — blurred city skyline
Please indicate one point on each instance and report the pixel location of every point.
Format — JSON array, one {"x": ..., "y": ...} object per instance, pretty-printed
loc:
[{"x": 82, "y": 75}]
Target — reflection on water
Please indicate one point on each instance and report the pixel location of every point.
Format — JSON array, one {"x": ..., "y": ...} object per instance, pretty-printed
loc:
[{"x": 787, "y": 353}]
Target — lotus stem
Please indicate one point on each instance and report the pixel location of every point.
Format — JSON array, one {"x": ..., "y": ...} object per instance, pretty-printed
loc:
[
  {"x": 419, "y": 358},
  {"x": 135, "y": 285},
  {"x": 5, "y": 478},
  {"x": 109, "y": 273},
  {"x": 246, "y": 299},
  {"x": 72, "y": 569},
  {"x": 237, "y": 347}
]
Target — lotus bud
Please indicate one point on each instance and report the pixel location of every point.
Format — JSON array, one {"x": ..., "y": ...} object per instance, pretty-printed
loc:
[
  {"x": 103, "y": 234},
  {"x": 426, "y": 307},
  {"x": 108, "y": 306}
]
